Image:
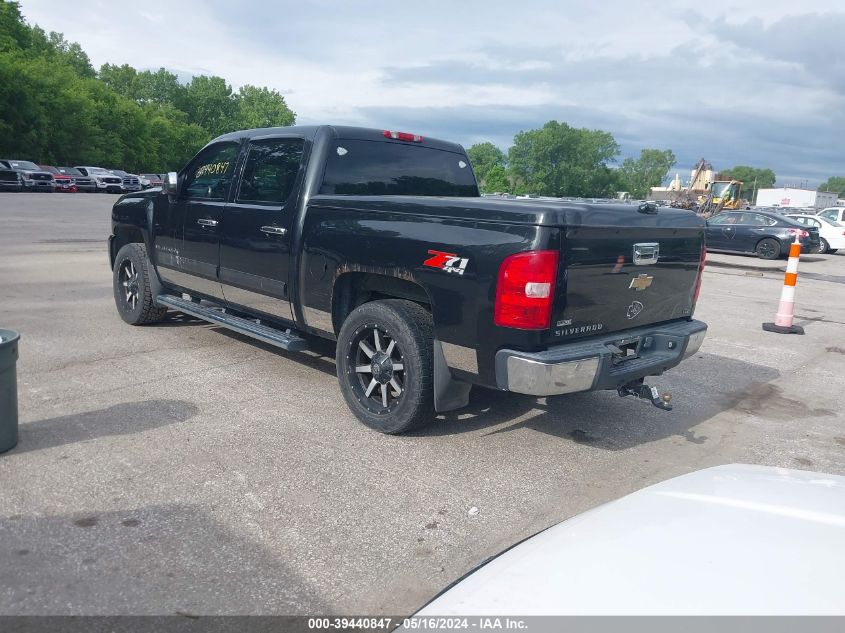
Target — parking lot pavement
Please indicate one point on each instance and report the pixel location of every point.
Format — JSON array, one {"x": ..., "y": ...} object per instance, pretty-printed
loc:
[{"x": 180, "y": 468}]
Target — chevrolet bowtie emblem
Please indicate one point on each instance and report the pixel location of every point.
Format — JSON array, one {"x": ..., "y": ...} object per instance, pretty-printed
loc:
[{"x": 641, "y": 282}]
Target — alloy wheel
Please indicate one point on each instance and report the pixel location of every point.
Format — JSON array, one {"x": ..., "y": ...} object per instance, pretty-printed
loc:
[{"x": 376, "y": 369}]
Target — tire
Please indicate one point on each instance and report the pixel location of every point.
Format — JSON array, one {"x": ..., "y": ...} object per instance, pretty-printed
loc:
[
  {"x": 768, "y": 248},
  {"x": 401, "y": 357},
  {"x": 824, "y": 247},
  {"x": 131, "y": 282}
]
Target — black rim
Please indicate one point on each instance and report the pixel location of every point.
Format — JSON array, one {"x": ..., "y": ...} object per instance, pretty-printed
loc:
[
  {"x": 129, "y": 283},
  {"x": 767, "y": 249},
  {"x": 376, "y": 369}
]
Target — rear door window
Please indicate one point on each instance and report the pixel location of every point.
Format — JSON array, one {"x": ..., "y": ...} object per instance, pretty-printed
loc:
[
  {"x": 270, "y": 171},
  {"x": 374, "y": 168}
]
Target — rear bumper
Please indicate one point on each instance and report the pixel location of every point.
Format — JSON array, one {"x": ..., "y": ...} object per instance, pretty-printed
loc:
[{"x": 594, "y": 364}]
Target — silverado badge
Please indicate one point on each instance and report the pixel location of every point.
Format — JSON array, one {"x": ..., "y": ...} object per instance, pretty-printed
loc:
[{"x": 641, "y": 282}]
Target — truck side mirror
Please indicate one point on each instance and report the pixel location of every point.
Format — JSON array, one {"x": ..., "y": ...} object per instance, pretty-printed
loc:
[{"x": 171, "y": 183}]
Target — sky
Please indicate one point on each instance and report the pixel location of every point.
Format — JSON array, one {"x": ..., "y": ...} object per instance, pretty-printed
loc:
[{"x": 761, "y": 84}]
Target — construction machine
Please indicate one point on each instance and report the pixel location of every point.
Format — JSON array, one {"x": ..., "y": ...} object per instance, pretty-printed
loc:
[{"x": 707, "y": 196}]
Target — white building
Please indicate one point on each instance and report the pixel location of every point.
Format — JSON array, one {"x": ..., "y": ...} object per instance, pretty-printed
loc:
[{"x": 796, "y": 198}]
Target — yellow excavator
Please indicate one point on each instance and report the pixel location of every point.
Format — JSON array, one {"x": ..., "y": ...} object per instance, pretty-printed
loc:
[{"x": 709, "y": 198}]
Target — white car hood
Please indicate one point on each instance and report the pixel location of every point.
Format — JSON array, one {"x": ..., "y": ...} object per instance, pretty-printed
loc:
[{"x": 728, "y": 540}]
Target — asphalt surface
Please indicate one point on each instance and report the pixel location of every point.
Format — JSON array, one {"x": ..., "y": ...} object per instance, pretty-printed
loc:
[{"x": 183, "y": 469}]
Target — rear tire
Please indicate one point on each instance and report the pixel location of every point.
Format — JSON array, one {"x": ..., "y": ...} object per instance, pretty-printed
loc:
[
  {"x": 824, "y": 247},
  {"x": 382, "y": 346},
  {"x": 768, "y": 248},
  {"x": 132, "y": 291}
]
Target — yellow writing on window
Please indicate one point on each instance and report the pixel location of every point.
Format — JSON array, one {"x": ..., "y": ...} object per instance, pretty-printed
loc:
[{"x": 213, "y": 169}]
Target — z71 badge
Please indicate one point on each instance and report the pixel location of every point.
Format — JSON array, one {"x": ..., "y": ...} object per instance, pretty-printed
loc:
[{"x": 450, "y": 262}]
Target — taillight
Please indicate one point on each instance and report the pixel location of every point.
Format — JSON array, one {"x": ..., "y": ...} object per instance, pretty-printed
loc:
[
  {"x": 525, "y": 290},
  {"x": 403, "y": 136},
  {"x": 700, "y": 275},
  {"x": 800, "y": 232}
]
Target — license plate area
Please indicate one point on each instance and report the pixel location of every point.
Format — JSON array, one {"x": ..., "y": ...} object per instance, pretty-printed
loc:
[{"x": 625, "y": 349}]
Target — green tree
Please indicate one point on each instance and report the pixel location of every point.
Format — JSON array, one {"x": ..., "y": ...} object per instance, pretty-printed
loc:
[
  {"x": 559, "y": 160},
  {"x": 496, "y": 181},
  {"x": 835, "y": 184},
  {"x": 262, "y": 107},
  {"x": 14, "y": 33},
  {"x": 210, "y": 104},
  {"x": 160, "y": 86},
  {"x": 485, "y": 156},
  {"x": 753, "y": 179},
  {"x": 122, "y": 79},
  {"x": 639, "y": 175}
]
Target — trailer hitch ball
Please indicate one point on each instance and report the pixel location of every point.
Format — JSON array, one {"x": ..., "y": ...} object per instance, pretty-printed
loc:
[{"x": 639, "y": 389}]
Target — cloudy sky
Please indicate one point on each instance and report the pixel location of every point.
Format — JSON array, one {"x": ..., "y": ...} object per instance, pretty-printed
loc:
[{"x": 761, "y": 84}]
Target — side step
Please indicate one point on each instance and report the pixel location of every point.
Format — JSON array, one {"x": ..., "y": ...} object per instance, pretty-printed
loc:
[{"x": 286, "y": 340}]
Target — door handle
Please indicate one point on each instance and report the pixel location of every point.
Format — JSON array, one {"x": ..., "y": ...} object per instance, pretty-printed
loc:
[
  {"x": 273, "y": 230},
  {"x": 206, "y": 222}
]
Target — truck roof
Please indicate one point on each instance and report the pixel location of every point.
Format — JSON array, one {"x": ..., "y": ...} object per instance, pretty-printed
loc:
[{"x": 338, "y": 131}]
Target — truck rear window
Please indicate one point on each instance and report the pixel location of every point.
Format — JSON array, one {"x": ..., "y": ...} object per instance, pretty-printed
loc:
[{"x": 373, "y": 168}]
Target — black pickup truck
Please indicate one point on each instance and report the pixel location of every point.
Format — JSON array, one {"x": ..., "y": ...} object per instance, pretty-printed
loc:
[{"x": 379, "y": 240}]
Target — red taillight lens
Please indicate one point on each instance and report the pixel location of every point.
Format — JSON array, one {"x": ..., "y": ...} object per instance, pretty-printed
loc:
[
  {"x": 700, "y": 275},
  {"x": 403, "y": 136},
  {"x": 525, "y": 290}
]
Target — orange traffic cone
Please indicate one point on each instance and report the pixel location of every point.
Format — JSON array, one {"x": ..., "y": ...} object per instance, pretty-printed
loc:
[{"x": 786, "y": 307}]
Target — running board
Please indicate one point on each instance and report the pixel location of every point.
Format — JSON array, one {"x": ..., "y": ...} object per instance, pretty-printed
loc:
[{"x": 285, "y": 339}]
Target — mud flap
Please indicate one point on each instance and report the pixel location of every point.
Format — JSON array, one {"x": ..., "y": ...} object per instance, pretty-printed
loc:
[{"x": 449, "y": 394}]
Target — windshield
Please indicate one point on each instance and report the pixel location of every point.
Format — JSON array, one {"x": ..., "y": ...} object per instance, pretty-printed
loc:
[
  {"x": 723, "y": 189},
  {"x": 52, "y": 170},
  {"x": 374, "y": 168},
  {"x": 70, "y": 171},
  {"x": 23, "y": 164}
]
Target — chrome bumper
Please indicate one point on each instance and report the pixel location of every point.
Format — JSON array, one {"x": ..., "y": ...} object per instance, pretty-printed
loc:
[{"x": 595, "y": 363}]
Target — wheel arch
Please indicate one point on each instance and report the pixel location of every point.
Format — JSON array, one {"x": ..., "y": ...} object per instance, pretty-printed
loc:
[
  {"x": 353, "y": 288},
  {"x": 124, "y": 234}
]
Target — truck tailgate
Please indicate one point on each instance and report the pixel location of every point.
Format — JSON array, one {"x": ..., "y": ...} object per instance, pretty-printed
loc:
[{"x": 619, "y": 277}]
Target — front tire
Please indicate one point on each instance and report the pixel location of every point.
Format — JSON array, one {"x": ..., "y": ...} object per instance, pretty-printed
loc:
[
  {"x": 385, "y": 366},
  {"x": 132, "y": 291},
  {"x": 768, "y": 248},
  {"x": 824, "y": 247}
]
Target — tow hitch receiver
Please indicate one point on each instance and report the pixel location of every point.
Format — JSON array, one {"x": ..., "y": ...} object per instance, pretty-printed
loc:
[{"x": 639, "y": 389}]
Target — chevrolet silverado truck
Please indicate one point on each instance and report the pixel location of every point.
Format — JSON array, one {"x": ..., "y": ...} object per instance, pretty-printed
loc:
[{"x": 380, "y": 241}]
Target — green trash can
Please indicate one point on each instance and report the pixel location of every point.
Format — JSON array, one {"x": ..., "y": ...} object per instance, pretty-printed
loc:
[{"x": 8, "y": 390}]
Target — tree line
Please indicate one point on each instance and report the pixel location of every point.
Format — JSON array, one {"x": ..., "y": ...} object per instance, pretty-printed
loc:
[
  {"x": 55, "y": 108},
  {"x": 563, "y": 161}
]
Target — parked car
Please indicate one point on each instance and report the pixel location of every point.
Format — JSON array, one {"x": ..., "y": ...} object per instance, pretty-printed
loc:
[
  {"x": 83, "y": 182},
  {"x": 831, "y": 234},
  {"x": 836, "y": 214},
  {"x": 10, "y": 179},
  {"x": 129, "y": 182},
  {"x": 103, "y": 179},
  {"x": 765, "y": 233},
  {"x": 729, "y": 540},
  {"x": 62, "y": 182},
  {"x": 380, "y": 240},
  {"x": 151, "y": 180},
  {"x": 29, "y": 175}
]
